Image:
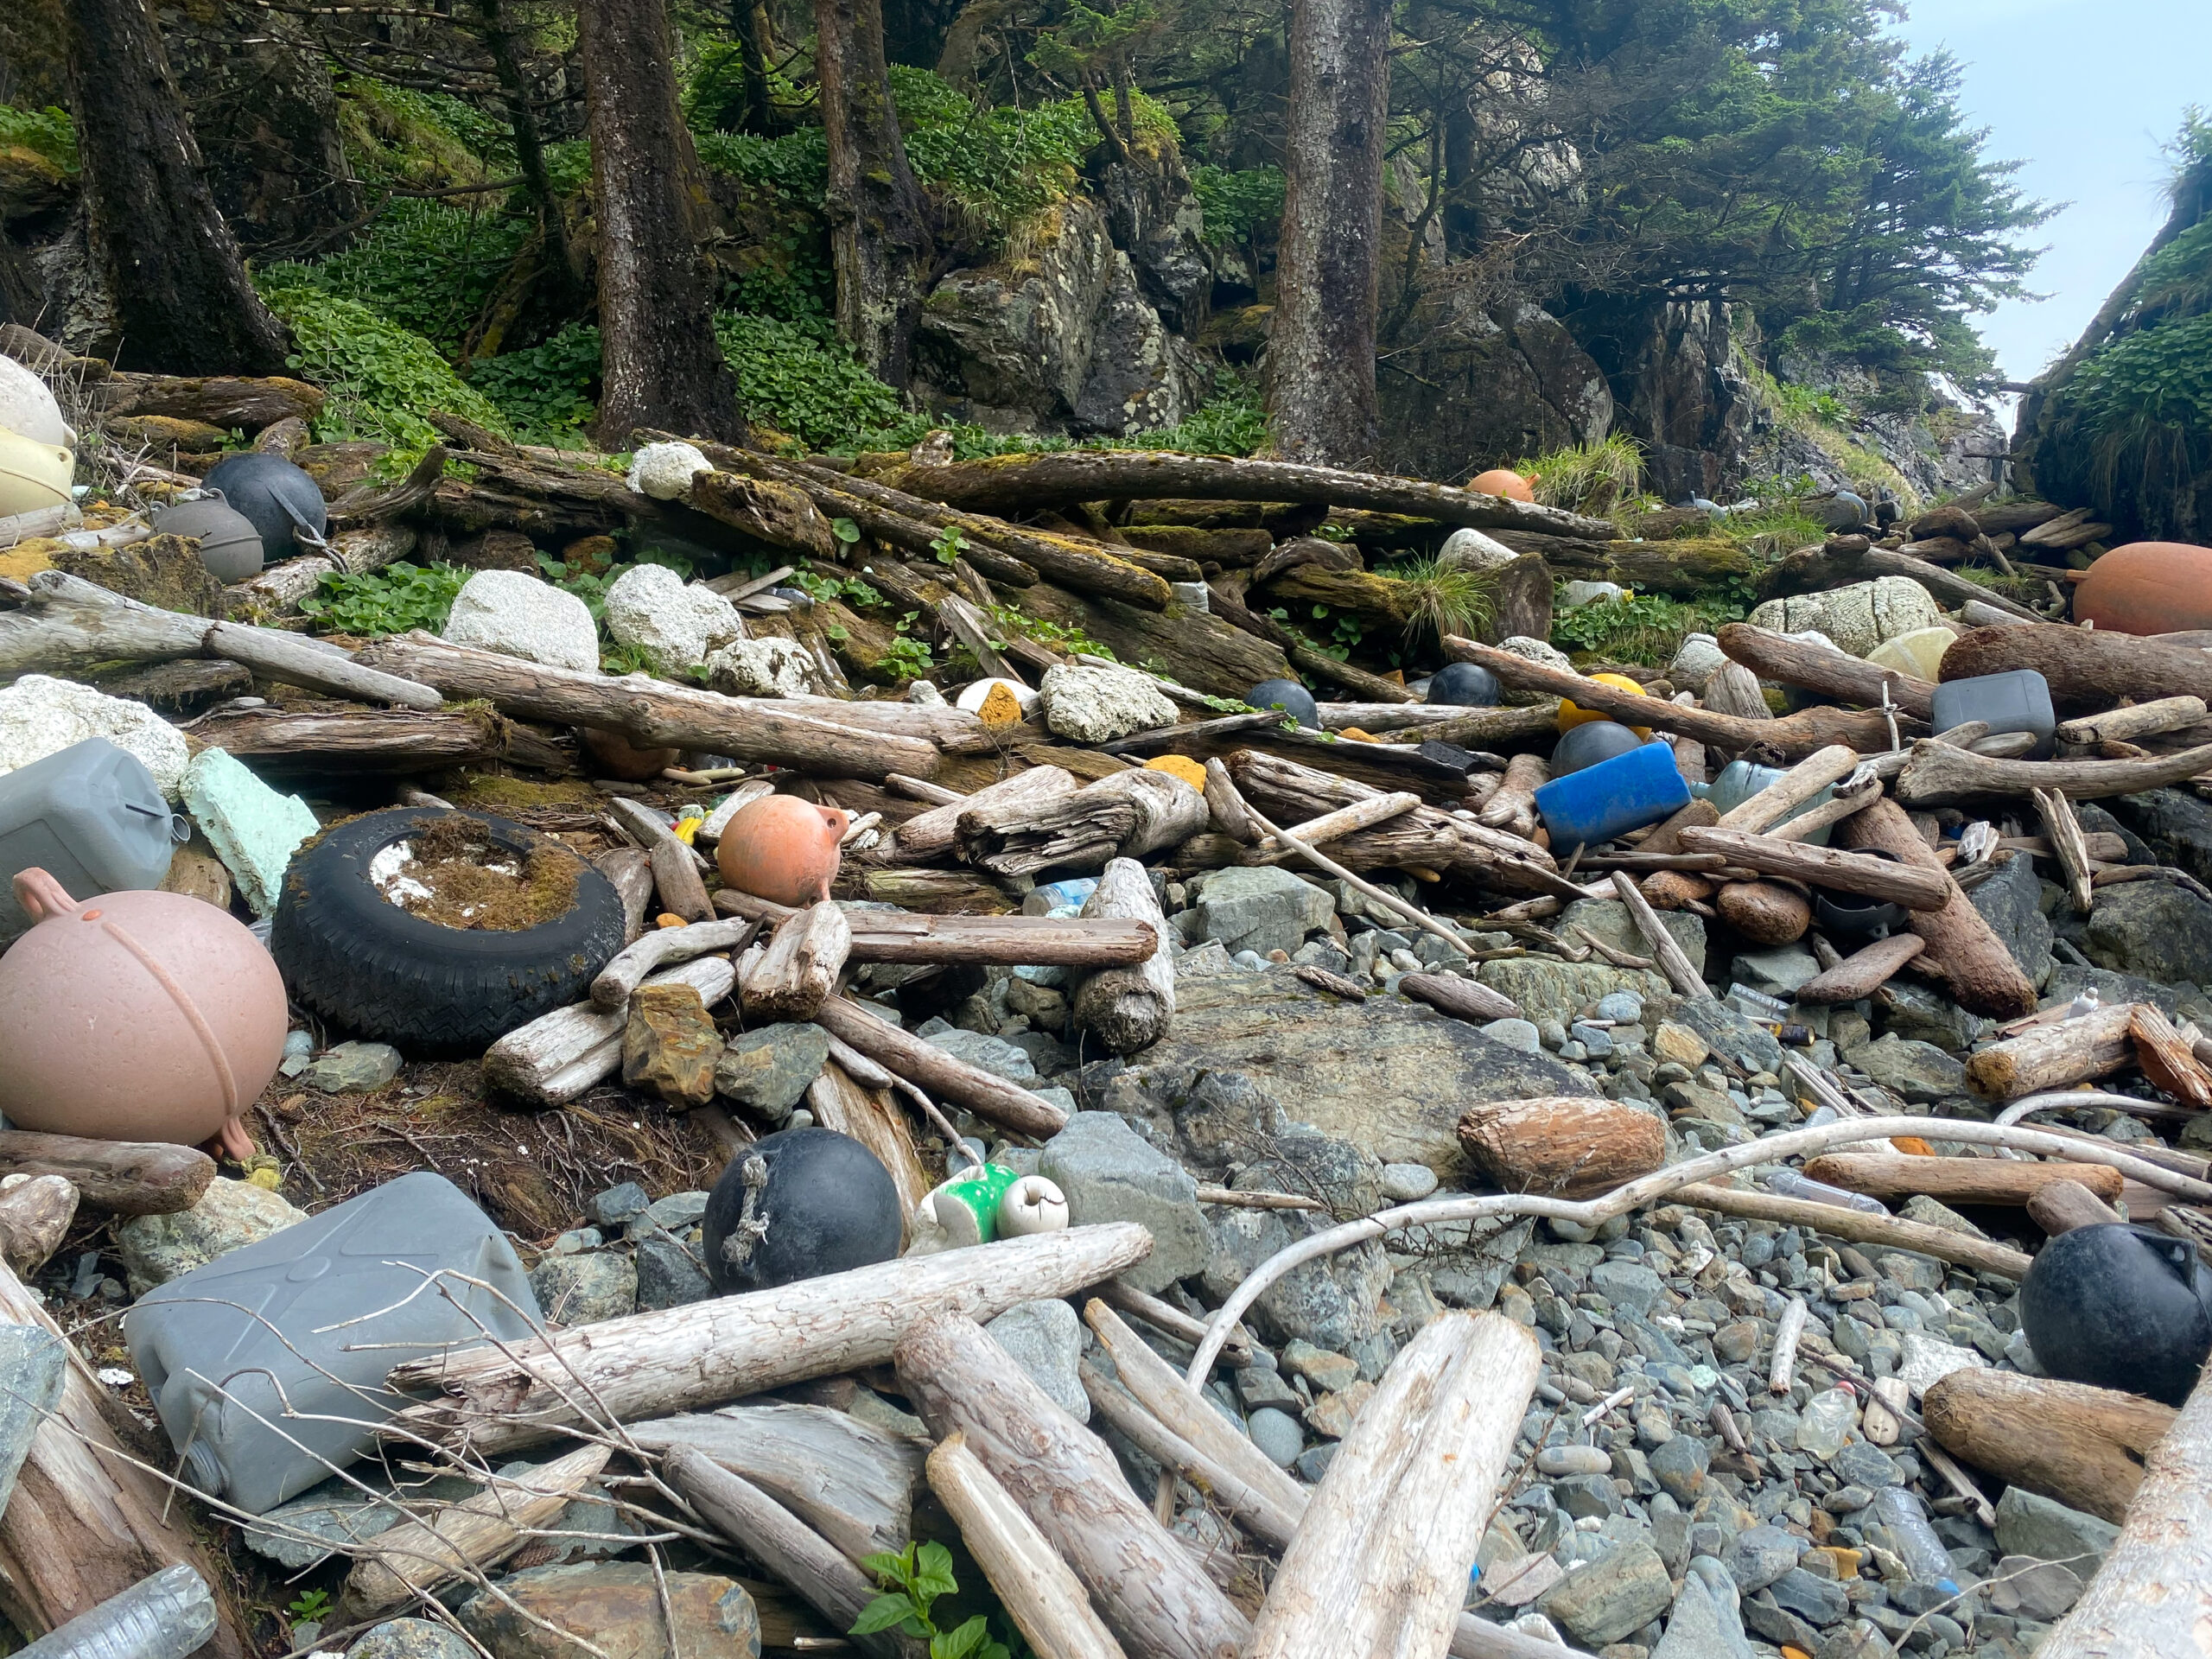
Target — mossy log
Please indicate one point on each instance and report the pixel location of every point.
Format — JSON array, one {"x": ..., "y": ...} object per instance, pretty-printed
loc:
[
  {"x": 1688, "y": 567},
  {"x": 1203, "y": 651},
  {"x": 1224, "y": 547}
]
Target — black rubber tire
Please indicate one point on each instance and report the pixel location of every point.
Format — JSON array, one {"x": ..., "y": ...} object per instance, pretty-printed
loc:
[{"x": 359, "y": 960}]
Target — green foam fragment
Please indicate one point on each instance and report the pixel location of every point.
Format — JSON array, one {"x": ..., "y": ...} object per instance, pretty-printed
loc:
[{"x": 253, "y": 829}]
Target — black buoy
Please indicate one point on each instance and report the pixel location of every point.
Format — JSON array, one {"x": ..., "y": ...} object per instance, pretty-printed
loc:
[
  {"x": 1290, "y": 696},
  {"x": 2121, "y": 1308},
  {"x": 1464, "y": 685},
  {"x": 1854, "y": 915},
  {"x": 272, "y": 493},
  {"x": 797, "y": 1204},
  {"x": 1592, "y": 741}
]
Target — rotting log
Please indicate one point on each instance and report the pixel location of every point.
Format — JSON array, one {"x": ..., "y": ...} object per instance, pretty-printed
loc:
[
  {"x": 1916, "y": 889},
  {"x": 655, "y": 714},
  {"x": 932, "y": 835},
  {"x": 1564, "y": 1146},
  {"x": 1973, "y": 962},
  {"x": 1040, "y": 1593},
  {"x": 1939, "y": 774},
  {"x": 2087, "y": 1448},
  {"x": 1019, "y": 482},
  {"x": 1151, "y": 1590},
  {"x": 84, "y": 1522},
  {"x": 1854, "y": 1227},
  {"x": 799, "y": 969},
  {"x": 279, "y": 588},
  {"x": 1865, "y": 971},
  {"x": 1774, "y": 655},
  {"x": 1462, "y": 999},
  {"x": 284, "y": 741},
  {"x": 944, "y": 1076},
  {"x": 1131, "y": 813},
  {"x": 1955, "y": 1180},
  {"x": 2151, "y": 719},
  {"x": 2087, "y": 669},
  {"x": 129, "y": 1178},
  {"x": 246, "y": 402},
  {"x": 1796, "y": 735},
  {"x": 1127, "y": 1008},
  {"x": 764, "y": 510},
  {"x": 2055, "y": 1056},
  {"x": 492, "y": 1399}
]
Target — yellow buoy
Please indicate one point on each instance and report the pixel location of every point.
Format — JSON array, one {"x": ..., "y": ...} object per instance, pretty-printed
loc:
[
  {"x": 1180, "y": 766},
  {"x": 1570, "y": 716}
]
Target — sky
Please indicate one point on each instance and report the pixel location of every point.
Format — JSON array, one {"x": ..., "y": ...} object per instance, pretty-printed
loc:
[{"x": 2084, "y": 92}]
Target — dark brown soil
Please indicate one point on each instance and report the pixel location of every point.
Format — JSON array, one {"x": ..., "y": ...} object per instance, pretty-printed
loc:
[{"x": 452, "y": 859}]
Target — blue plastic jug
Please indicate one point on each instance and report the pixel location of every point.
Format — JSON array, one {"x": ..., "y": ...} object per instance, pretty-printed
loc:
[
  {"x": 91, "y": 817},
  {"x": 1612, "y": 798},
  {"x": 2017, "y": 700}
]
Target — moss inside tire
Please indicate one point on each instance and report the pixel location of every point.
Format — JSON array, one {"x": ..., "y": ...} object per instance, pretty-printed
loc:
[{"x": 352, "y": 956}]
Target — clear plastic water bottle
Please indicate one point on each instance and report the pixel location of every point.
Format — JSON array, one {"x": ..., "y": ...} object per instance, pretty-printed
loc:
[
  {"x": 1918, "y": 1545},
  {"x": 1826, "y": 1425},
  {"x": 1790, "y": 1184}
]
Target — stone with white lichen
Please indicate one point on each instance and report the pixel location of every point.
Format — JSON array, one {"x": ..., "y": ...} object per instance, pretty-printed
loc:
[
  {"x": 41, "y": 716},
  {"x": 664, "y": 471},
  {"x": 516, "y": 615},
  {"x": 676, "y": 623},
  {"x": 1097, "y": 705}
]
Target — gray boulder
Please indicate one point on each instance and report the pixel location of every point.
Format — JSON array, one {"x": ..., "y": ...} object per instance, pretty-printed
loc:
[
  {"x": 2046, "y": 1530},
  {"x": 2152, "y": 929},
  {"x": 1110, "y": 1172},
  {"x": 1262, "y": 909},
  {"x": 157, "y": 1248},
  {"x": 410, "y": 1638},
  {"x": 586, "y": 1288},
  {"x": 1609, "y": 1599},
  {"x": 1044, "y": 1339},
  {"x": 1609, "y": 920},
  {"x": 770, "y": 1067},
  {"x": 2011, "y": 902},
  {"x": 1707, "y": 1621},
  {"x": 1920, "y": 1072}
]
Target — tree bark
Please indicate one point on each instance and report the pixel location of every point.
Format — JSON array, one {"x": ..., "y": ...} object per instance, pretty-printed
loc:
[
  {"x": 1321, "y": 401},
  {"x": 878, "y": 222},
  {"x": 183, "y": 301},
  {"x": 1575, "y": 1148},
  {"x": 1955, "y": 1180},
  {"x": 661, "y": 365},
  {"x": 1127, "y": 1008},
  {"x": 2087, "y": 1446},
  {"x": 800, "y": 966},
  {"x": 504, "y": 47},
  {"x": 1979, "y": 971}
]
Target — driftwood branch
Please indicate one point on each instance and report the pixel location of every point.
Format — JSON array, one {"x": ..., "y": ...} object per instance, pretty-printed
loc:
[{"x": 1940, "y": 775}]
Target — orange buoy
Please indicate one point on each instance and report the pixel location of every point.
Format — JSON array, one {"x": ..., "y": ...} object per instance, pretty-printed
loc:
[
  {"x": 2148, "y": 588},
  {"x": 1504, "y": 481}
]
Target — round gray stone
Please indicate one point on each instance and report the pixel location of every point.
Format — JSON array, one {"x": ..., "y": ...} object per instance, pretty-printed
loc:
[{"x": 1276, "y": 1434}]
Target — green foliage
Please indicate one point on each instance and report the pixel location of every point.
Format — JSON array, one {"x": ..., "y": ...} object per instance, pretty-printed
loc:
[
  {"x": 1237, "y": 206},
  {"x": 544, "y": 392},
  {"x": 1646, "y": 628},
  {"x": 1232, "y": 422},
  {"x": 949, "y": 545},
  {"x": 1442, "y": 602},
  {"x": 1068, "y": 640},
  {"x": 591, "y": 585},
  {"x": 995, "y": 165},
  {"x": 391, "y": 601},
  {"x": 913, "y": 1581},
  {"x": 431, "y": 267},
  {"x": 1591, "y": 478},
  {"x": 793, "y": 164},
  {"x": 49, "y": 132},
  {"x": 310, "y": 1605},
  {"x": 851, "y": 590},
  {"x": 2159, "y": 377},
  {"x": 801, "y": 382},
  {"x": 381, "y": 377},
  {"x": 907, "y": 658},
  {"x": 398, "y": 135}
]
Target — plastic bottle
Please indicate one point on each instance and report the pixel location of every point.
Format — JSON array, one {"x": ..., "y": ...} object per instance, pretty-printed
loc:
[
  {"x": 1790, "y": 1184},
  {"x": 1741, "y": 779},
  {"x": 2016, "y": 701},
  {"x": 1827, "y": 1423},
  {"x": 312, "y": 1318},
  {"x": 1612, "y": 798},
  {"x": 165, "y": 1616},
  {"x": 1918, "y": 1545},
  {"x": 91, "y": 817}
]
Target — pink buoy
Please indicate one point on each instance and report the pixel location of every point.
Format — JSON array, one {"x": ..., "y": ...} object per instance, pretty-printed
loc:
[
  {"x": 136, "y": 1016},
  {"x": 782, "y": 849}
]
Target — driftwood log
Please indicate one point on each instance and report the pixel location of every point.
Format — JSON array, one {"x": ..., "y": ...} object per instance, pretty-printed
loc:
[
  {"x": 35, "y": 1217},
  {"x": 1962, "y": 1249},
  {"x": 1955, "y": 1180},
  {"x": 1150, "y": 1589},
  {"x": 131, "y": 1178},
  {"x": 1002, "y": 941},
  {"x": 989, "y": 1096},
  {"x": 1376, "y": 1566},
  {"x": 279, "y": 588},
  {"x": 652, "y": 1364},
  {"x": 1973, "y": 962},
  {"x": 1572, "y": 1147},
  {"x": 933, "y": 834},
  {"x": 2088, "y": 669},
  {"x": 1865, "y": 971},
  {"x": 2087, "y": 1448},
  {"x": 1774, "y": 655},
  {"x": 655, "y": 714},
  {"x": 2055, "y": 1056},
  {"x": 1915, "y": 888},
  {"x": 1941, "y": 775},
  {"x": 1463, "y": 999},
  {"x": 1127, "y": 1008},
  {"x": 660, "y": 948},
  {"x": 1797, "y": 735},
  {"x": 1763, "y": 810},
  {"x": 1815, "y": 569},
  {"x": 283, "y": 742},
  {"x": 2064, "y": 1206},
  {"x": 2151, "y": 719},
  {"x": 1130, "y": 813},
  {"x": 558, "y": 1056},
  {"x": 799, "y": 969}
]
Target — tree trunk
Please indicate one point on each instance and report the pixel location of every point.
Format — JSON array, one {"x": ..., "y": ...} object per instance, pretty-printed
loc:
[
  {"x": 744, "y": 24},
  {"x": 661, "y": 365},
  {"x": 878, "y": 223},
  {"x": 1321, "y": 400},
  {"x": 502, "y": 42},
  {"x": 2088, "y": 1444},
  {"x": 1981, "y": 973},
  {"x": 182, "y": 300}
]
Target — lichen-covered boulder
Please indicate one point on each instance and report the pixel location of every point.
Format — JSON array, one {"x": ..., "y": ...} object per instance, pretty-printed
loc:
[
  {"x": 1856, "y": 618},
  {"x": 1098, "y": 705},
  {"x": 676, "y": 623}
]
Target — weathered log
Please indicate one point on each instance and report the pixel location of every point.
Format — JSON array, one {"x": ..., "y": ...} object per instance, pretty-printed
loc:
[
  {"x": 769, "y": 1534},
  {"x": 867, "y": 1113},
  {"x": 800, "y": 966},
  {"x": 1940, "y": 775},
  {"x": 630, "y": 869},
  {"x": 1673, "y": 961},
  {"x": 279, "y": 588},
  {"x": 2088, "y": 669},
  {"x": 421, "y": 1553},
  {"x": 989, "y": 1096},
  {"x": 35, "y": 1217},
  {"x": 2139, "y": 720},
  {"x": 2055, "y": 1056},
  {"x": 1301, "y": 652},
  {"x": 932, "y": 834},
  {"x": 2167, "y": 1060},
  {"x": 2064, "y": 1206},
  {"x": 1044, "y": 1599},
  {"x": 1462, "y": 999},
  {"x": 283, "y": 742},
  {"x": 1734, "y": 691},
  {"x": 1151, "y": 1592},
  {"x": 131, "y": 1178},
  {"x": 1815, "y": 569},
  {"x": 1978, "y": 1254},
  {"x": 2064, "y": 830},
  {"x": 1375, "y": 1567},
  {"x": 1763, "y": 911},
  {"x": 766, "y": 510},
  {"x": 1002, "y": 941},
  {"x": 1962, "y": 946},
  {"x": 643, "y": 1365},
  {"x": 1792, "y": 790},
  {"x": 246, "y": 402},
  {"x": 1797, "y": 735},
  {"x": 1916, "y": 889},
  {"x": 2086, "y": 1447},
  {"x": 655, "y": 714},
  {"x": 84, "y": 1522},
  {"x": 1127, "y": 1008},
  {"x": 1864, "y": 971},
  {"x": 849, "y": 1481},
  {"x": 1562, "y": 1145},
  {"x": 557, "y": 1056},
  {"x": 1131, "y": 813},
  {"x": 1363, "y": 814},
  {"x": 1955, "y": 1180},
  {"x": 664, "y": 945},
  {"x": 1066, "y": 478}
]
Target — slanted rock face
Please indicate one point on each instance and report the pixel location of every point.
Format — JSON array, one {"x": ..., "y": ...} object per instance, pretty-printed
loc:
[
  {"x": 1153, "y": 215},
  {"x": 1141, "y": 376},
  {"x": 1689, "y": 400},
  {"x": 1467, "y": 387}
]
